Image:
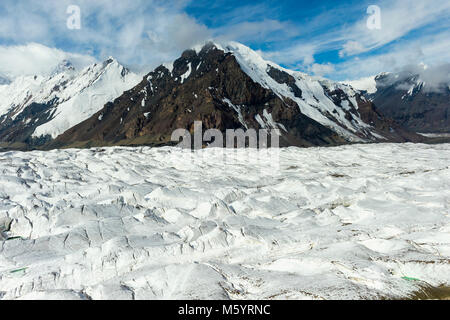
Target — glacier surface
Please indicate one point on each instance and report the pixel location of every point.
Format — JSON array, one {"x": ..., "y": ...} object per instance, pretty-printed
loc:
[{"x": 352, "y": 222}]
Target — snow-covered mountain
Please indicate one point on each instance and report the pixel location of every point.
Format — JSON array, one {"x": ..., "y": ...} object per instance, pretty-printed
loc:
[
  {"x": 324, "y": 101},
  {"x": 231, "y": 86},
  {"x": 36, "y": 108},
  {"x": 418, "y": 100}
]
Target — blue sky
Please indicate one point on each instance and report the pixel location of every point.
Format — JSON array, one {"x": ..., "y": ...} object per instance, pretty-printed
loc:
[{"x": 322, "y": 37}]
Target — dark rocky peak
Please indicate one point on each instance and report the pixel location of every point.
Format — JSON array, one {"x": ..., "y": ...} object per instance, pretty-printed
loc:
[
  {"x": 208, "y": 47},
  {"x": 188, "y": 54},
  {"x": 191, "y": 65},
  {"x": 385, "y": 79},
  {"x": 401, "y": 81}
]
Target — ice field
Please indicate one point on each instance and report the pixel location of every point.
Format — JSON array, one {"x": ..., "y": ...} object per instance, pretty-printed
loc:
[{"x": 352, "y": 222}]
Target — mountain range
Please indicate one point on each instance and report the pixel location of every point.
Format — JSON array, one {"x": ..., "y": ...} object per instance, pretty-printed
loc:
[{"x": 226, "y": 86}]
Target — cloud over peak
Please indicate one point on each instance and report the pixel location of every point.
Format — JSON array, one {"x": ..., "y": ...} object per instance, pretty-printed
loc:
[
  {"x": 34, "y": 58},
  {"x": 323, "y": 37}
]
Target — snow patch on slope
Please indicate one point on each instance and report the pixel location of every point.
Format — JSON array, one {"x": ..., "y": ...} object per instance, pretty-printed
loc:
[
  {"x": 238, "y": 111},
  {"x": 187, "y": 74}
]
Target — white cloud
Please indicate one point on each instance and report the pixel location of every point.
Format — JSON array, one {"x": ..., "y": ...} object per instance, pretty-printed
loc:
[
  {"x": 136, "y": 32},
  {"x": 33, "y": 58},
  {"x": 294, "y": 54},
  {"x": 322, "y": 69},
  {"x": 148, "y": 32},
  {"x": 327, "y": 33},
  {"x": 432, "y": 51},
  {"x": 399, "y": 18},
  {"x": 267, "y": 30},
  {"x": 435, "y": 77},
  {"x": 367, "y": 84},
  {"x": 351, "y": 48}
]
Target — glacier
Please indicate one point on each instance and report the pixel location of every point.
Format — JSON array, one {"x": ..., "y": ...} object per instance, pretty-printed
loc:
[{"x": 349, "y": 222}]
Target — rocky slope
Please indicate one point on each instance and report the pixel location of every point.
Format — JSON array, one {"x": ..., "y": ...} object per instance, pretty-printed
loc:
[
  {"x": 36, "y": 109},
  {"x": 229, "y": 87}
]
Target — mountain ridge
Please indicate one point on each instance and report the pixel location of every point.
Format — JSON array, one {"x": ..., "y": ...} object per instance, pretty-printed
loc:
[
  {"x": 231, "y": 87},
  {"x": 224, "y": 85}
]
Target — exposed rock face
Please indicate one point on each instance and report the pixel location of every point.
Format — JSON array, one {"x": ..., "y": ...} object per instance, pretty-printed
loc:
[
  {"x": 407, "y": 100},
  {"x": 16, "y": 130},
  {"x": 211, "y": 85}
]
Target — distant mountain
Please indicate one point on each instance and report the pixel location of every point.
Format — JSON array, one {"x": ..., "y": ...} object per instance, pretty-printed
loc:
[
  {"x": 229, "y": 86},
  {"x": 4, "y": 80},
  {"x": 413, "y": 99},
  {"x": 408, "y": 100},
  {"x": 36, "y": 109}
]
